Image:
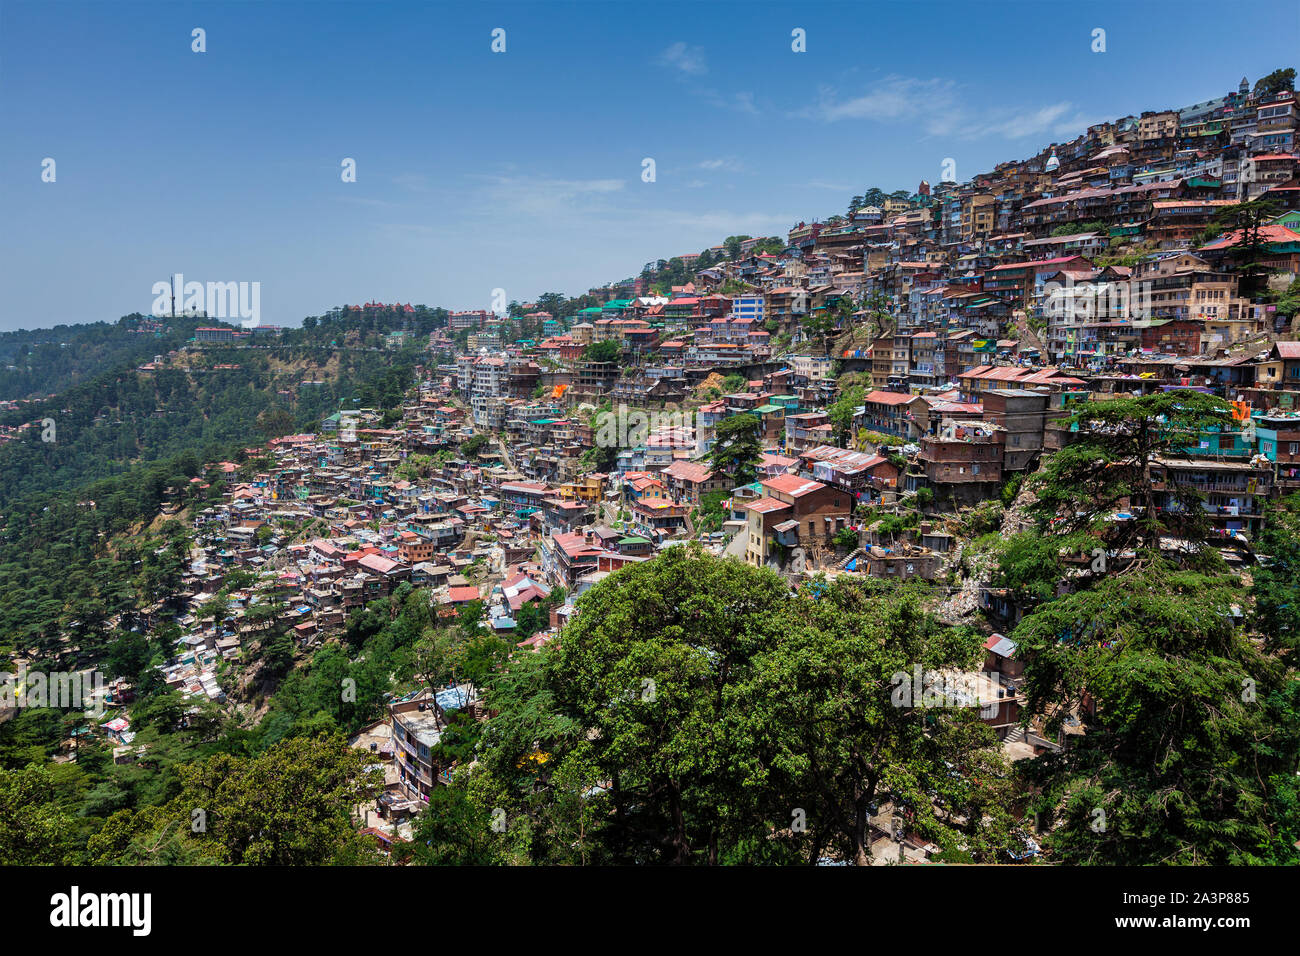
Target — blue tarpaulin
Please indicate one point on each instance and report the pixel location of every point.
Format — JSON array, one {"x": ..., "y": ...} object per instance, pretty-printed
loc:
[{"x": 452, "y": 698}]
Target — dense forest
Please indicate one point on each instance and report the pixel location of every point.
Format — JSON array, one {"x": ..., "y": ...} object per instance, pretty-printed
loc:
[
  {"x": 46, "y": 361},
  {"x": 207, "y": 400}
]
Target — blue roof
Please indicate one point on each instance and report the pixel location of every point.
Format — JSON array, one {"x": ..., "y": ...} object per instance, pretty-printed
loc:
[{"x": 452, "y": 698}]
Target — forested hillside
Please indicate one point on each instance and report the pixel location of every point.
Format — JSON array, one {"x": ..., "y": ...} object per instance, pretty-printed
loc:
[
  {"x": 123, "y": 441},
  {"x": 201, "y": 401},
  {"x": 44, "y": 362}
]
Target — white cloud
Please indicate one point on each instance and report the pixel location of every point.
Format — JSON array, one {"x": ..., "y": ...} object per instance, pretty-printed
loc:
[
  {"x": 744, "y": 101},
  {"x": 937, "y": 108},
  {"x": 518, "y": 194},
  {"x": 1059, "y": 119},
  {"x": 687, "y": 59},
  {"x": 741, "y": 102},
  {"x": 725, "y": 163},
  {"x": 892, "y": 98},
  {"x": 689, "y": 62}
]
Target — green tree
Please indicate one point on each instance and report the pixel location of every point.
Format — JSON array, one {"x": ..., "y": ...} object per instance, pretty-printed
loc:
[
  {"x": 732, "y": 246},
  {"x": 129, "y": 656},
  {"x": 1110, "y": 464},
  {"x": 737, "y": 448},
  {"x": 843, "y": 730},
  {"x": 1190, "y": 739},
  {"x": 458, "y": 828},
  {"x": 607, "y": 351},
  {"x": 274, "y": 422},
  {"x": 529, "y": 620},
  {"x": 292, "y": 805},
  {"x": 34, "y": 830},
  {"x": 1028, "y": 566},
  {"x": 1275, "y": 82},
  {"x": 841, "y": 411},
  {"x": 1246, "y": 221},
  {"x": 650, "y": 665},
  {"x": 711, "y": 513},
  {"x": 471, "y": 446},
  {"x": 1275, "y": 584}
]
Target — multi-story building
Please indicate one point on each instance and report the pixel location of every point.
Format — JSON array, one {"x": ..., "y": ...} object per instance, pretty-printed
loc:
[
  {"x": 794, "y": 512},
  {"x": 963, "y": 453},
  {"x": 1279, "y": 442},
  {"x": 890, "y": 413},
  {"x": 1233, "y": 492},
  {"x": 469, "y": 320},
  {"x": 806, "y": 430},
  {"x": 750, "y": 306},
  {"x": 1021, "y": 415},
  {"x": 1157, "y": 126},
  {"x": 416, "y": 731}
]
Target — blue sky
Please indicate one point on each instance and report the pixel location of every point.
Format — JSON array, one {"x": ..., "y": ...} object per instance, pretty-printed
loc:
[{"x": 522, "y": 170}]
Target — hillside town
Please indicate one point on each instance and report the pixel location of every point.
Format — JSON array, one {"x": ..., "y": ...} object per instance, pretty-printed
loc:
[{"x": 895, "y": 370}]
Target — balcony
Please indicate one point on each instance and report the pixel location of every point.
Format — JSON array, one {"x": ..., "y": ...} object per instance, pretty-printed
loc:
[{"x": 415, "y": 771}]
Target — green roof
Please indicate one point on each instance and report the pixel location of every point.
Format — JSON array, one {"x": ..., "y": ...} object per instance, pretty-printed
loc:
[
  {"x": 633, "y": 540},
  {"x": 618, "y": 303},
  {"x": 768, "y": 409}
]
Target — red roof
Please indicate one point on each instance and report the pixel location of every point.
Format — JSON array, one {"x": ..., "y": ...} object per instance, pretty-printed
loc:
[
  {"x": 689, "y": 471},
  {"x": 1272, "y": 233},
  {"x": 888, "y": 398},
  {"x": 574, "y": 544},
  {"x": 373, "y": 562},
  {"x": 793, "y": 485},
  {"x": 766, "y": 505},
  {"x": 1036, "y": 264}
]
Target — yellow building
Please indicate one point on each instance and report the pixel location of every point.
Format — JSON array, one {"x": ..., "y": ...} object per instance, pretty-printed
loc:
[{"x": 589, "y": 487}]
